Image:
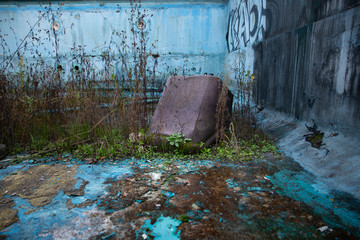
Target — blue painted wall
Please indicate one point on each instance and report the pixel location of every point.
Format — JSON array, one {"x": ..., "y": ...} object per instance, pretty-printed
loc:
[{"x": 189, "y": 36}]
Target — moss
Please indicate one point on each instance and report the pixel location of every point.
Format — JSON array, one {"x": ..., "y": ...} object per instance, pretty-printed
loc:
[{"x": 183, "y": 218}]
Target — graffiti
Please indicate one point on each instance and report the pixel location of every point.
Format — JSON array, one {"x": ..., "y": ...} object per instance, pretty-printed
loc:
[{"x": 248, "y": 22}]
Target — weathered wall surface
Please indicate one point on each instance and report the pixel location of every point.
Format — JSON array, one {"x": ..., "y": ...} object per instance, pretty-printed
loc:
[
  {"x": 189, "y": 37},
  {"x": 305, "y": 54}
]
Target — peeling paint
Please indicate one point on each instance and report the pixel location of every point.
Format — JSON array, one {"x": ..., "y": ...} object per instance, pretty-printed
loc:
[
  {"x": 303, "y": 187},
  {"x": 187, "y": 199}
]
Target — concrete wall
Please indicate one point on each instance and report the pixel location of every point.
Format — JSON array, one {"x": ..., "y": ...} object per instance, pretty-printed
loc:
[
  {"x": 305, "y": 55},
  {"x": 189, "y": 36}
]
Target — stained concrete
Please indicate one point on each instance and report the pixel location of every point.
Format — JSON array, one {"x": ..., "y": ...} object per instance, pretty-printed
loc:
[
  {"x": 138, "y": 199},
  {"x": 336, "y": 162},
  {"x": 304, "y": 54}
]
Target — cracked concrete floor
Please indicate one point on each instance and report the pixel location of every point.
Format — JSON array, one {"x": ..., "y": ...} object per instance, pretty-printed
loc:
[{"x": 139, "y": 199}]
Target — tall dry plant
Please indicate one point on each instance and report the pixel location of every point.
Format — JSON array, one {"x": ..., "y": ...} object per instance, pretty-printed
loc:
[
  {"x": 39, "y": 102},
  {"x": 241, "y": 123},
  {"x": 138, "y": 81},
  {"x": 223, "y": 112}
]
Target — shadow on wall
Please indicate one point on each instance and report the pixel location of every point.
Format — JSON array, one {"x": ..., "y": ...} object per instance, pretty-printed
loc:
[{"x": 305, "y": 55}]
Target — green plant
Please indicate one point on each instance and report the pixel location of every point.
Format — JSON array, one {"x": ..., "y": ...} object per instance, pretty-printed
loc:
[
  {"x": 206, "y": 150},
  {"x": 37, "y": 143},
  {"x": 176, "y": 139},
  {"x": 86, "y": 150}
]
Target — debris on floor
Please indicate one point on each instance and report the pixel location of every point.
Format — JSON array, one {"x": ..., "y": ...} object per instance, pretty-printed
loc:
[{"x": 139, "y": 199}]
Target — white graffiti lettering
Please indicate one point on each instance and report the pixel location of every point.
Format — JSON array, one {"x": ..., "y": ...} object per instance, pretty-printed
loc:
[{"x": 247, "y": 23}]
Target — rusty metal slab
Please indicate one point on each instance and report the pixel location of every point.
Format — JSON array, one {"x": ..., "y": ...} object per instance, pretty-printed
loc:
[{"x": 188, "y": 106}]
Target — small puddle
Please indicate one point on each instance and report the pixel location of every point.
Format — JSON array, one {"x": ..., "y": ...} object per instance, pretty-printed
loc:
[{"x": 315, "y": 139}]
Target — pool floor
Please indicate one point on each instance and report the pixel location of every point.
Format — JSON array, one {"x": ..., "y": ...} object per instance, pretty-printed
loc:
[{"x": 139, "y": 199}]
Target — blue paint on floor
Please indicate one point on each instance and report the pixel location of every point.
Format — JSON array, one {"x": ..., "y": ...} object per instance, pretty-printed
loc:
[
  {"x": 113, "y": 193},
  {"x": 168, "y": 194},
  {"x": 41, "y": 222},
  {"x": 95, "y": 177},
  {"x": 331, "y": 205},
  {"x": 165, "y": 228},
  {"x": 10, "y": 169},
  {"x": 50, "y": 220},
  {"x": 231, "y": 183}
]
